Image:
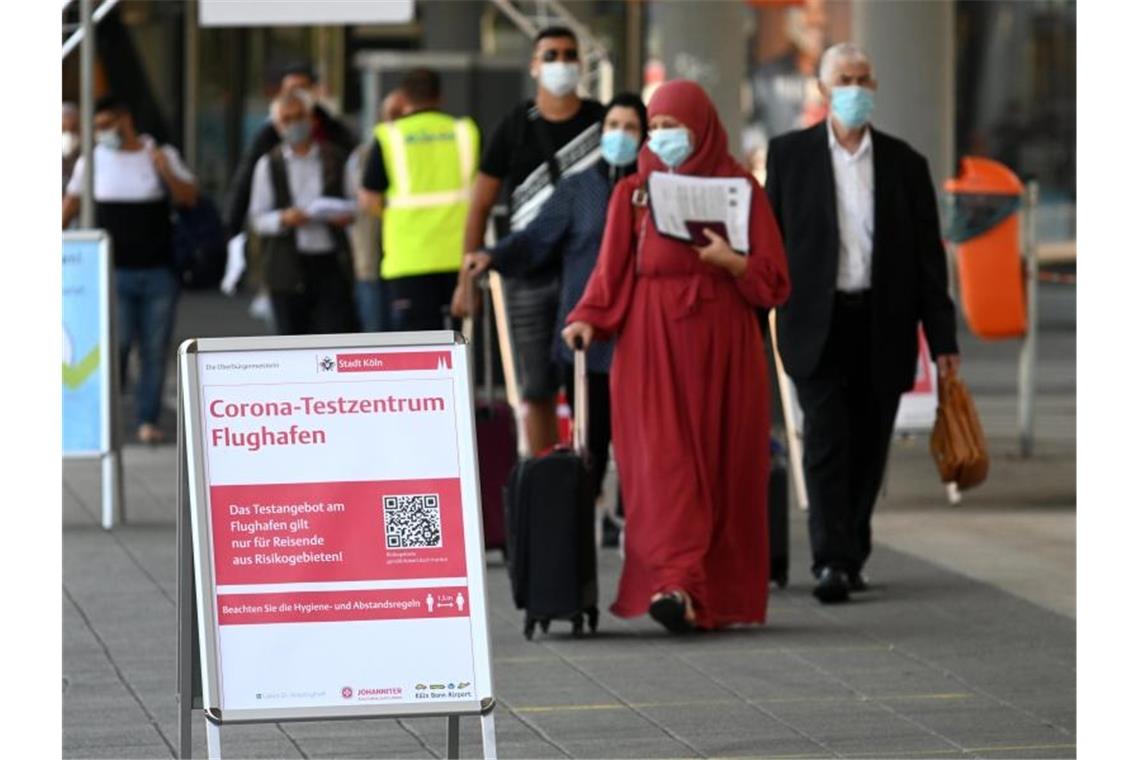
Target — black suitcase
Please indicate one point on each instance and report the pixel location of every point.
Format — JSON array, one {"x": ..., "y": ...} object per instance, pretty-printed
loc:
[
  {"x": 778, "y": 515},
  {"x": 551, "y": 552}
]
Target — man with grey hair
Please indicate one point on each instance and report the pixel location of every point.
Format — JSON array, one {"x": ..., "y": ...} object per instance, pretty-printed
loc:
[
  {"x": 308, "y": 268},
  {"x": 860, "y": 222}
]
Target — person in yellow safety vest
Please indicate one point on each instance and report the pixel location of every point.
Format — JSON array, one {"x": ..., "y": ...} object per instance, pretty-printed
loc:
[{"x": 418, "y": 176}]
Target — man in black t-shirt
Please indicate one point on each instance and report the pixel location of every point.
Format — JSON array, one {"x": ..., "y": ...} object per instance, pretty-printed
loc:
[{"x": 538, "y": 142}]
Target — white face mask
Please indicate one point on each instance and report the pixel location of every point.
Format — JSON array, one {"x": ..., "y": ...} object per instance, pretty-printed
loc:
[
  {"x": 70, "y": 143},
  {"x": 559, "y": 78}
]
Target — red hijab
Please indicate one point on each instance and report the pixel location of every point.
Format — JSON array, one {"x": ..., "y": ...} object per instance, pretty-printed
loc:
[{"x": 688, "y": 103}]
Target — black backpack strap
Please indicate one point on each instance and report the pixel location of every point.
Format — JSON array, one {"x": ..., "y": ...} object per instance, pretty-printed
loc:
[
  {"x": 279, "y": 179},
  {"x": 542, "y": 135}
]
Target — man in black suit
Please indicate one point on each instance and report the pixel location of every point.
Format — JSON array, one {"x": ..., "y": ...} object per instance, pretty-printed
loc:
[{"x": 860, "y": 222}]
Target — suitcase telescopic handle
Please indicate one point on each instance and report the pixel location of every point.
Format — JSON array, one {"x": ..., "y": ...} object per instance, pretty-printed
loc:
[
  {"x": 488, "y": 369},
  {"x": 581, "y": 400}
]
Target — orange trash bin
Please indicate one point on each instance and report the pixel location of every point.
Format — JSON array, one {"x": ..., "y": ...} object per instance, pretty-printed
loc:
[{"x": 985, "y": 227}]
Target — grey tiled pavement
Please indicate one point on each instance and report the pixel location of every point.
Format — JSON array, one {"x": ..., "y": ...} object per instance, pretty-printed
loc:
[{"x": 928, "y": 664}]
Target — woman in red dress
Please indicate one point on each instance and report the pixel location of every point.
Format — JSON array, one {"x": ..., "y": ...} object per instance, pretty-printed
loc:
[{"x": 688, "y": 383}]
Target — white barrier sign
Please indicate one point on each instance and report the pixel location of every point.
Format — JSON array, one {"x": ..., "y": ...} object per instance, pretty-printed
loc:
[
  {"x": 304, "y": 12},
  {"x": 919, "y": 406},
  {"x": 338, "y": 535}
]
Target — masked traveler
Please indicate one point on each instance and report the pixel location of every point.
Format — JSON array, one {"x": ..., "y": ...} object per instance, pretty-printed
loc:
[
  {"x": 688, "y": 382},
  {"x": 569, "y": 230},
  {"x": 136, "y": 183},
  {"x": 538, "y": 144},
  {"x": 307, "y": 263},
  {"x": 859, "y": 217}
]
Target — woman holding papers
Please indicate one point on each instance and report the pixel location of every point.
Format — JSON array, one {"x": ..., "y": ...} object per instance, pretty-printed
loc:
[
  {"x": 569, "y": 228},
  {"x": 688, "y": 382}
]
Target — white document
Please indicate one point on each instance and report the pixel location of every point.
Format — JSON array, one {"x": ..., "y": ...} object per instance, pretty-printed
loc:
[
  {"x": 325, "y": 209},
  {"x": 235, "y": 264},
  {"x": 682, "y": 203}
]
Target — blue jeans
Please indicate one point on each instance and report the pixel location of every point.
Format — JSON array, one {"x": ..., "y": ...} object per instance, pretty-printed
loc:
[
  {"x": 146, "y": 302},
  {"x": 371, "y": 307}
]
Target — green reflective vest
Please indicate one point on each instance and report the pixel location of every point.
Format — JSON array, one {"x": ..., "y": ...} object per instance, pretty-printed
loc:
[{"x": 430, "y": 159}]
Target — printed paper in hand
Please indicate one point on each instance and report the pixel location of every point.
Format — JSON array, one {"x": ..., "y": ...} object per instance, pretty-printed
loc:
[
  {"x": 682, "y": 204},
  {"x": 326, "y": 209}
]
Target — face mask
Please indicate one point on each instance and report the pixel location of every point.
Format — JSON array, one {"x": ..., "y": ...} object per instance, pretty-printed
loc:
[
  {"x": 297, "y": 133},
  {"x": 672, "y": 145},
  {"x": 559, "y": 78},
  {"x": 70, "y": 143},
  {"x": 619, "y": 148},
  {"x": 852, "y": 105},
  {"x": 109, "y": 138}
]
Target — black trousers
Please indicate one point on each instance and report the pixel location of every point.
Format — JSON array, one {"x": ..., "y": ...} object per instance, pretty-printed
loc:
[
  {"x": 598, "y": 431},
  {"x": 419, "y": 302},
  {"x": 324, "y": 306},
  {"x": 848, "y": 423}
]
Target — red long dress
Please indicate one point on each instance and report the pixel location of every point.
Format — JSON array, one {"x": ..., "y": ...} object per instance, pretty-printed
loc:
[{"x": 690, "y": 408}]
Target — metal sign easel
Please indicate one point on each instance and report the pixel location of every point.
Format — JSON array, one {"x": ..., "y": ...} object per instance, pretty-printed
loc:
[{"x": 198, "y": 664}]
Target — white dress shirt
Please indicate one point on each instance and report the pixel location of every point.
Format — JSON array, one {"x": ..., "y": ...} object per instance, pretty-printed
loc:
[
  {"x": 305, "y": 184},
  {"x": 854, "y": 209}
]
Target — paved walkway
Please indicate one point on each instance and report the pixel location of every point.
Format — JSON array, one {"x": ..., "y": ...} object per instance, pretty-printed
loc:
[{"x": 964, "y": 647}]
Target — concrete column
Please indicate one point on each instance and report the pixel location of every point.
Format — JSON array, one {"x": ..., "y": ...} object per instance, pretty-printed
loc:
[
  {"x": 450, "y": 26},
  {"x": 911, "y": 44},
  {"x": 706, "y": 42}
]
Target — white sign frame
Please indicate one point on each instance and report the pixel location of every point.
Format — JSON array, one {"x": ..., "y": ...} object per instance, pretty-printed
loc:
[
  {"x": 108, "y": 453},
  {"x": 227, "y": 13},
  {"x": 199, "y": 505}
]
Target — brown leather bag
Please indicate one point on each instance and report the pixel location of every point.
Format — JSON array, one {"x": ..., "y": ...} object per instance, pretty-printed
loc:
[{"x": 957, "y": 442}]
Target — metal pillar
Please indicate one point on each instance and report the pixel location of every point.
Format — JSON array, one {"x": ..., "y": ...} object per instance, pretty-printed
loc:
[
  {"x": 911, "y": 45},
  {"x": 87, "y": 111},
  {"x": 190, "y": 84},
  {"x": 1027, "y": 361},
  {"x": 706, "y": 42}
]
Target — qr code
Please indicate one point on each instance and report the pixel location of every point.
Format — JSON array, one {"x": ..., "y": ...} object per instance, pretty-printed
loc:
[{"x": 411, "y": 521}]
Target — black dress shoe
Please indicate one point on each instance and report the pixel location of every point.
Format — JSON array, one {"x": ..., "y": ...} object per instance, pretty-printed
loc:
[
  {"x": 832, "y": 586},
  {"x": 857, "y": 581}
]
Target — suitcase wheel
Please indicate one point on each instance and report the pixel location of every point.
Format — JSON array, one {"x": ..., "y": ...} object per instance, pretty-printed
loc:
[
  {"x": 545, "y": 625},
  {"x": 577, "y": 623},
  {"x": 592, "y": 618},
  {"x": 528, "y": 629}
]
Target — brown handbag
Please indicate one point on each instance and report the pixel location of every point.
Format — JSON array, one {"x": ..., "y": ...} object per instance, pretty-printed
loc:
[{"x": 957, "y": 442}]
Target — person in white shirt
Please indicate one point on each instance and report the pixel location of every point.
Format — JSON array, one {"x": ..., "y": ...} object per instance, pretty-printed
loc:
[
  {"x": 136, "y": 181},
  {"x": 299, "y": 206},
  {"x": 859, "y": 217}
]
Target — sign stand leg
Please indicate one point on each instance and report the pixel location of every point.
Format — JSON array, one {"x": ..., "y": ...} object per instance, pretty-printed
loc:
[
  {"x": 213, "y": 740},
  {"x": 490, "y": 749},
  {"x": 185, "y": 596},
  {"x": 112, "y": 487},
  {"x": 453, "y": 737}
]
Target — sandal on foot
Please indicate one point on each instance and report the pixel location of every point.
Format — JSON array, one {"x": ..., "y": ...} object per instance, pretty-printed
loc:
[
  {"x": 670, "y": 611},
  {"x": 150, "y": 434}
]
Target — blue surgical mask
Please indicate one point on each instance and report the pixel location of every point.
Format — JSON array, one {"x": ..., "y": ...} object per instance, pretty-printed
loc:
[
  {"x": 619, "y": 148},
  {"x": 852, "y": 105},
  {"x": 109, "y": 138},
  {"x": 297, "y": 133},
  {"x": 671, "y": 145}
]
